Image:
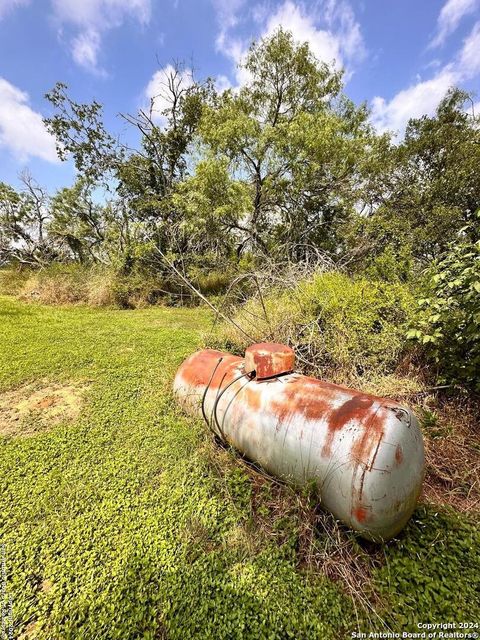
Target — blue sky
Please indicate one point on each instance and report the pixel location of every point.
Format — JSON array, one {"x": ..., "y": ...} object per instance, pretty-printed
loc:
[{"x": 398, "y": 55}]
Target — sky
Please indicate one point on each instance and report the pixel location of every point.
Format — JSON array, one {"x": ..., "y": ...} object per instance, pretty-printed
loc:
[{"x": 400, "y": 56}]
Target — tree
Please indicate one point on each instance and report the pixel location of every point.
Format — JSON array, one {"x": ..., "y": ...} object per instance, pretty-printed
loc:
[
  {"x": 150, "y": 177},
  {"x": 294, "y": 141},
  {"x": 78, "y": 223},
  {"x": 79, "y": 131},
  {"x": 424, "y": 190},
  {"x": 23, "y": 219},
  {"x": 143, "y": 179},
  {"x": 212, "y": 206}
]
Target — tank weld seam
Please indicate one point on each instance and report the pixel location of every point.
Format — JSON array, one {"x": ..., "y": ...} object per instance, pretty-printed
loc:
[{"x": 359, "y": 463}]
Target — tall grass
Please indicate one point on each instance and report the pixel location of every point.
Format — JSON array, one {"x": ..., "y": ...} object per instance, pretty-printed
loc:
[
  {"x": 98, "y": 286},
  {"x": 339, "y": 325},
  {"x": 104, "y": 286}
]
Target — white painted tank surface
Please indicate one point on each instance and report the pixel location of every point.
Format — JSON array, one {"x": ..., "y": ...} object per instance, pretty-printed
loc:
[{"x": 364, "y": 453}]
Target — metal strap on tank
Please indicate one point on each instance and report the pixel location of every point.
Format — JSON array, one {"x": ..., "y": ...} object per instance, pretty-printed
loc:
[
  {"x": 219, "y": 396},
  {"x": 206, "y": 391},
  {"x": 217, "y": 399}
]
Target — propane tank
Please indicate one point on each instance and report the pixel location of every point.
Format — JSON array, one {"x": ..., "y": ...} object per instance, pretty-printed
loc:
[{"x": 364, "y": 453}]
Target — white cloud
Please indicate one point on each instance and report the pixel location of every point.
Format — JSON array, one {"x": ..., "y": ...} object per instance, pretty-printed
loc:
[
  {"x": 91, "y": 18},
  {"x": 236, "y": 50},
  {"x": 469, "y": 59},
  {"x": 323, "y": 43},
  {"x": 222, "y": 83},
  {"x": 227, "y": 12},
  {"x": 423, "y": 97},
  {"x": 330, "y": 28},
  {"x": 412, "y": 102},
  {"x": 450, "y": 16},
  {"x": 6, "y": 6},
  {"x": 21, "y": 128},
  {"x": 85, "y": 49},
  {"x": 159, "y": 89},
  {"x": 102, "y": 14}
]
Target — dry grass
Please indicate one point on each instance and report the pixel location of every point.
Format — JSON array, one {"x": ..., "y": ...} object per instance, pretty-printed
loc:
[
  {"x": 96, "y": 286},
  {"x": 452, "y": 443},
  {"x": 59, "y": 289},
  {"x": 12, "y": 280},
  {"x": 32, "y": 408}
]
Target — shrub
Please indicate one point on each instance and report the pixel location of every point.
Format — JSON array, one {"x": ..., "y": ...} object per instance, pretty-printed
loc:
[
  {"x": 449, "y": 326},
  {"x": 97, "y": 286},
  {"x": 12, "y": 280},
  {"x": 391, "y": 265},
  {"x": 336, "y": 323},
  {"x": 57, "y": 284},
  {"x": 213, "y": 282}
]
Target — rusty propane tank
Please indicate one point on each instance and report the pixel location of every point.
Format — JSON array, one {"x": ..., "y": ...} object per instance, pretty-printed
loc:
[{"x": 364, "y": 453}]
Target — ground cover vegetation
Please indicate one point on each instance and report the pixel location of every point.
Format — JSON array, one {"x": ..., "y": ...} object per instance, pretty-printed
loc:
[
  {"x": 278, "y": 205},
  {"x": 124, "y": 519}
]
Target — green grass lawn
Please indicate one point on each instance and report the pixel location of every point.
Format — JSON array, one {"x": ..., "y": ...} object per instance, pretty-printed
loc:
[{"x": 123, "y": 524}]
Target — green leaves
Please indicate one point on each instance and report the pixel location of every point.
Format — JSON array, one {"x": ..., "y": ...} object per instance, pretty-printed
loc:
[
  {"x": 449, "y": 322},
  {"x": 293, "y": 142},
  {"x": 79, "y": 131}
]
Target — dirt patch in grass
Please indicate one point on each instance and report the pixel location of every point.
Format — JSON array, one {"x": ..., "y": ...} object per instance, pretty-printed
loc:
[{"x": 38, "y": 406}]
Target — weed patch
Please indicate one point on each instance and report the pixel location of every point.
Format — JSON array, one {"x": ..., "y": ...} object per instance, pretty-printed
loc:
[
  {"x": 130, "y": 521},
  {"x": 340, "y": 327}
]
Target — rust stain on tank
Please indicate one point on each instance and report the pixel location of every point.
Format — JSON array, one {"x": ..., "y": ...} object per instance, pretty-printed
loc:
[
  {"x": 252, "y": 397},
  {"x": 354, "y": 409},
  {"x": 315, "y": 400},
  {"x": 199, "y": 367},
  {"x": 369, "y": 438},
  {"x": 361, "y": 514},
  {"x": 357, "y": 409},
  {"x": 399, "y": 454},
  {"x": 362, "y": 482},
  {"x": 300, "y": 398}
]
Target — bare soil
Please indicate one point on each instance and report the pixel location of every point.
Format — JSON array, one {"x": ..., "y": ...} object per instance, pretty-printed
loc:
[{"x": 38, "y": 406}]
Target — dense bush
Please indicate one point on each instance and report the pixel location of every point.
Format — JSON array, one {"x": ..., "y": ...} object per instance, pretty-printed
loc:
[
  {"x": 335, "y": 322},
  {"x": 449, "y": 327}
]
